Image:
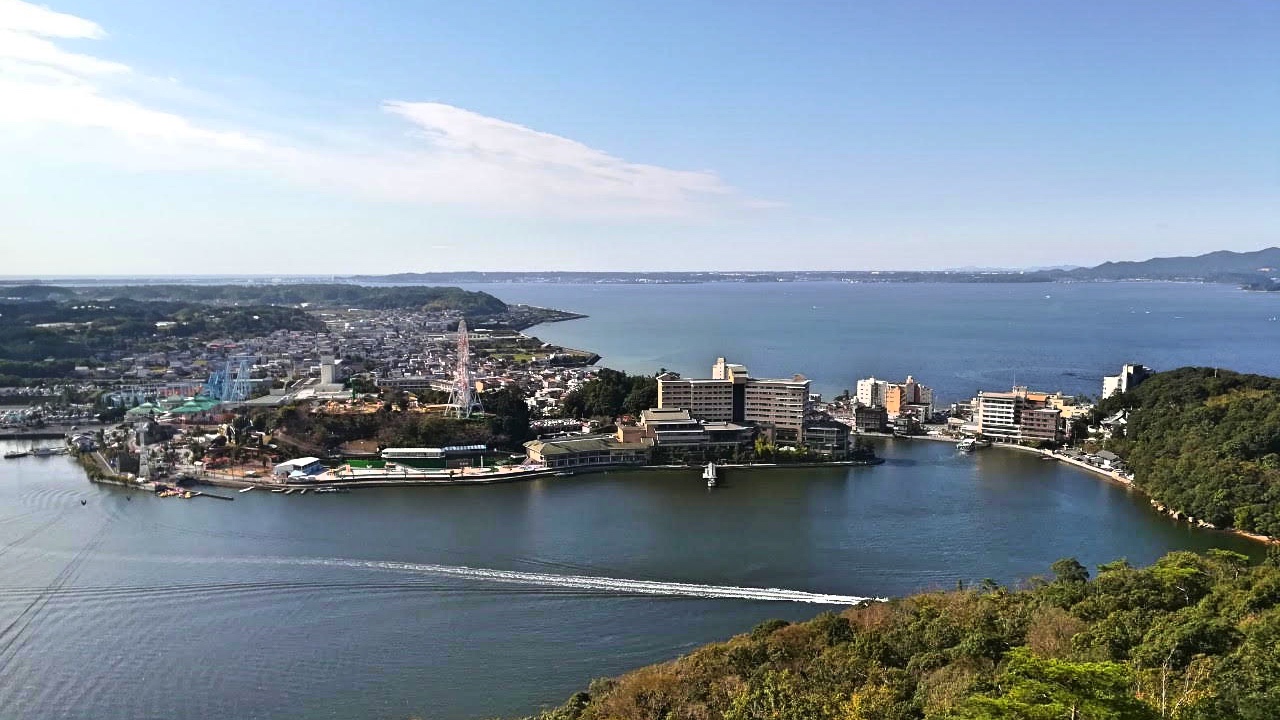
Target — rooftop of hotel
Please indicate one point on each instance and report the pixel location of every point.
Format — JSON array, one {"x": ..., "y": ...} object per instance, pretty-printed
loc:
[{"x": 596, "y": 443}]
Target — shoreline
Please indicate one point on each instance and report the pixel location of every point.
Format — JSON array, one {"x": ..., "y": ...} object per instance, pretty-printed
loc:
[
  {"x": 495, "y": 478},
  {"x": 1114, "y": 477},
  {"x": 1158, "y": 506},
  {"x": 219, "y": 480}
]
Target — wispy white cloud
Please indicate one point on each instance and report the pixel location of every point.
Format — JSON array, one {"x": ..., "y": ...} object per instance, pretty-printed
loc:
[
  {"x": 452, "y": 156},
  {"x": 44, "y": 84}
]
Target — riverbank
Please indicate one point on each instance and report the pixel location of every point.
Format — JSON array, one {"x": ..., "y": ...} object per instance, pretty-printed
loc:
[
  {"x": 1113, "y": 476},
  {"x": 48, "y": 432},
  {"x": 1126, "y": 481}
]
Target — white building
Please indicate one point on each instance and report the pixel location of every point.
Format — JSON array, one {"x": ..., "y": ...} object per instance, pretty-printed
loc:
[
  {"x": 304, "y": 465},
  {"x": 871, "y": 392},
  {"x": 896, "y": 397},
  {"x": 328, "y": 370},
  {"x": 1129, "y": 378}
]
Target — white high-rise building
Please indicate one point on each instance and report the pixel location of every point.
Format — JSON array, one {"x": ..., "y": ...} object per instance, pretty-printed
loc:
[{"x": 871, "y": 392}]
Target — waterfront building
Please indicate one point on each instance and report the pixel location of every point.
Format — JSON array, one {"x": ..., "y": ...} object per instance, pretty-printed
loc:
[
  {"x": 590, "y": 451},
  {"x": 871, "y": 392},
  {"x": 1130, "y": 377},
  {"x": 906, "y": 424},
  {"x": 870, "y": 418},
  {"x": 829, "y": 438},
  {"x": 996, "y": 414},
  {"x": 453, "y": 456},
  {"x": 672, "y": 427},
  {"x": 731, "y": 395},
  {"x": 899, "y": 397},
  {"x": 1041, "y": 423},
  {"x": 895, "y": 397},
  {"x": 1018, "y": 415},
  {"x": 304, "y": 465},
  {"x": 728, "y": 436}
]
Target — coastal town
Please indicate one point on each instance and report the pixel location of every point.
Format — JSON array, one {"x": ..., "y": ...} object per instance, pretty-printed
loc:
[{"x": 328, "y": 409}]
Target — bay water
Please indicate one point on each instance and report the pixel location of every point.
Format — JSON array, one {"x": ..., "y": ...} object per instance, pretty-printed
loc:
[{"x": 471, "y": 602}]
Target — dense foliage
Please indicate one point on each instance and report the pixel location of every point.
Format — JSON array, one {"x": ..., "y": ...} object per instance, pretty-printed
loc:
[
  {"x": 504, "y": 424},
  {"x": 1206, "y": 442},
  {"x": 1193, "y": 637},
  {"x": 612, "y": 393},
  {"x": 82, "y": 329}
]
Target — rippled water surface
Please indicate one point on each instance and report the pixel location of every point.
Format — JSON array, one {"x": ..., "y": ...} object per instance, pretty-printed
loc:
[
  {"x": 957, "y": 338},
  {"x": 473, "y": 602}
]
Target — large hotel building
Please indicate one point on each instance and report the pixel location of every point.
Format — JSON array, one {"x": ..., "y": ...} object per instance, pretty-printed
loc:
[
  {"x": 732, "y": 395},
  {"x": 1022, "y": 414}
]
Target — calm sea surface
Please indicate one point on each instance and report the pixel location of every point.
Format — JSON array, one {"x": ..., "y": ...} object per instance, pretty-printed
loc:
[
  {"x": 956, "y": 338},
  {"x": 381, "y": 603}
]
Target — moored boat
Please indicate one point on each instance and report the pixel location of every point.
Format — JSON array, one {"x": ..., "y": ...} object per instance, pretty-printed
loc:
[
  {"x": 14, "y": 454},
  {"x": 709, "y": 474}
]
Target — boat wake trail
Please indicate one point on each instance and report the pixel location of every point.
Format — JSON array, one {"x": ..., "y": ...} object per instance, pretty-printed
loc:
[{"x": 584, "y": 582}]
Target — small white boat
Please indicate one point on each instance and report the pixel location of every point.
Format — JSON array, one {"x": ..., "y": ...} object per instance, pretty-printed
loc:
[
  {"x": 245, "y": 490},
  {"x": 709, "y": 474},
  {"x": 966, "y": 445}
]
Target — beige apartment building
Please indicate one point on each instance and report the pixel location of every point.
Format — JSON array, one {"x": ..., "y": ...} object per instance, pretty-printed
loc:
[
  {"x": 1019, "y": 415},
  {"x": 732, "y": 395}
]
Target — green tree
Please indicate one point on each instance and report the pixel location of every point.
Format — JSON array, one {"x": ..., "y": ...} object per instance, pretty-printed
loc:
[
  {"x": 1033, "y": 688},
  {"x": 1069, "y": 570}
]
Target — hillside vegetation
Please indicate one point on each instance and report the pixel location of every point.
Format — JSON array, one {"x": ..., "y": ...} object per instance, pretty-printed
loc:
[
  {"x": 47, "y": 338},
  {"x": 335, "y": 295},
  {"x": 1193, "y": 637},
  {"x": 1206, "y": 443}
]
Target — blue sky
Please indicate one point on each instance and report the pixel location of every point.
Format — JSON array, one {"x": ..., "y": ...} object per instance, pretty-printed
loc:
[{"x": 324, "y": 137}]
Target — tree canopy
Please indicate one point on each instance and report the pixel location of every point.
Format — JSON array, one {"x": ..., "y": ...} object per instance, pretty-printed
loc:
[
  {"x": 1206, "y": 442},
  {"x": 612, "y": 393},
  {"x": 1192, "y": 637}
]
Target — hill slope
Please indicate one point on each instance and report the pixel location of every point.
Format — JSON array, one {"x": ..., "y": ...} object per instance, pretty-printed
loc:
[
  {"x": 1206, "y": 443},
  {"x": 1220, "y": 266},
  {"x": 1192, "y": 637}
]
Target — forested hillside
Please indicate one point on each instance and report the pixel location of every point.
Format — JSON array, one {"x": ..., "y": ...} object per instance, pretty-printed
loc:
[
  {"x": 1206, "y": 442},
  {"x": 1192, "y": 637},
  {"x": 343, "y": 295},
  {"x": 47, "y": 338}
]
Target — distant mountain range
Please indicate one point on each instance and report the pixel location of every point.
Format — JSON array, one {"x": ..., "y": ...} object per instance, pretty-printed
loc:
[{"x": 1257, "y": 270}]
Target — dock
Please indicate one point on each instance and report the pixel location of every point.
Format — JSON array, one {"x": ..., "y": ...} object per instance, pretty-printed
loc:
[{"x": 200, "y": 493}]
